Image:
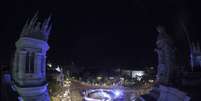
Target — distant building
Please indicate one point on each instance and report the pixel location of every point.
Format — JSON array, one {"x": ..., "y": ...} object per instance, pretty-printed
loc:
[{"x": 132, "y": 73}]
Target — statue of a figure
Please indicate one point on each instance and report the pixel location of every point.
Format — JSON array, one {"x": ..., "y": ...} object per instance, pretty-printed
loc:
[
  {"x": 166, "y": 66},
  {"x": 166, "y": 56}
]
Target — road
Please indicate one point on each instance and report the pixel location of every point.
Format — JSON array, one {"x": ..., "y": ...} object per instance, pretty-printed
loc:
[{"x": 77, "y": 87}]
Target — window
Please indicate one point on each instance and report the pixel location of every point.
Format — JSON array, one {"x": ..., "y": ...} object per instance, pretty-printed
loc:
[
  {"x": 32, "y": 58},
  {"x": 29, "y": 62}
]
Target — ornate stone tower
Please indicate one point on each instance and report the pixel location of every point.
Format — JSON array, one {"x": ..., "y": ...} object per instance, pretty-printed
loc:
[
  {"x": 166, "y": 57},
  {"x": 29, "y": 66},
  {"x": 195, "y": 56}
]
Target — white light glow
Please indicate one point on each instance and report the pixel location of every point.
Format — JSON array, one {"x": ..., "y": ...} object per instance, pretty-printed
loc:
[
  {"x": 58, "y": 69},
  {"x": 102, "y": 94},
  {"x": 117, "y": 93},
  {"x": 99, "y": 77},
  {"x": 137, "y": 73},
  {"x": 151, "y": 81},
  {"x": 49, "y": 65}
]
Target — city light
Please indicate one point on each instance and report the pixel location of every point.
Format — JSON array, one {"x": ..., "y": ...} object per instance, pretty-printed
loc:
[
  {"x": 151, "y": 81},
  {"x": 99, "y": 78},
  {"x": 58, "y": 69},
  {"x": 137, "y": 73},
  {"x": 117, "y": 93},
  {"x": 49, "y": 65}
]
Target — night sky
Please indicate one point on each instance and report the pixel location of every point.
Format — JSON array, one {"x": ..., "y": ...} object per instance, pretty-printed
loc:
[{"x": 101, "y": 32}]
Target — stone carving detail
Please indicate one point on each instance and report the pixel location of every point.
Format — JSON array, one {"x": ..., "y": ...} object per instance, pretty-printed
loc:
[{"x": 37, "y": 30}]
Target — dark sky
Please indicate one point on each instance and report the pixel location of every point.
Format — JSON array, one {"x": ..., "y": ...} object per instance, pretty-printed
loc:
[{"x": 101, "y": 32}]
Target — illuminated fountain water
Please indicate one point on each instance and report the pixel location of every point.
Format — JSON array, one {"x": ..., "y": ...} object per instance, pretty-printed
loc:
[{"x": 102, "y": 94}]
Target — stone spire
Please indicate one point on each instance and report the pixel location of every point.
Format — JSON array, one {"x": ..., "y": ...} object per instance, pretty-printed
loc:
[{"x": 35, "y": 29}]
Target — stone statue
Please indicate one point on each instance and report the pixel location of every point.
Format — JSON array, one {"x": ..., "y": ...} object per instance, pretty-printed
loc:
[
  {"x": 166, "y": 56},
  {"x": 162, "y": 90}
]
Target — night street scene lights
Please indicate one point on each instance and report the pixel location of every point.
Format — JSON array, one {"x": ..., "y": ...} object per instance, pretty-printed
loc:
[{"x": 136, "y": 50}]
